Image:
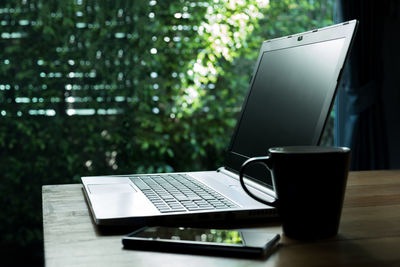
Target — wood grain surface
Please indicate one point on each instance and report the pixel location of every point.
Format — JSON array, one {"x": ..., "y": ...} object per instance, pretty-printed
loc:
[{"x": 369, "y": 233}]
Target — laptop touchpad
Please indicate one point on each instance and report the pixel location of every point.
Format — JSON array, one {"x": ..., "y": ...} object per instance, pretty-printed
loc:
[{"x": 110, "y": 188}]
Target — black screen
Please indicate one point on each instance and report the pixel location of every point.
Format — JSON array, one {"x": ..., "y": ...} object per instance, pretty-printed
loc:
[
  {"x": 192, "y": 234},
  {"x": 287, "y": 97}
]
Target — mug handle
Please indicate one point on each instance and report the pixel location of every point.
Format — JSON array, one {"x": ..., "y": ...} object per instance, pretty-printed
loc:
[{"x": 265, "y": 161}]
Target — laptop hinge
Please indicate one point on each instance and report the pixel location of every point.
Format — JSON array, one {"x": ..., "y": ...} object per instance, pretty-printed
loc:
[{"x": 248, "y": 182}]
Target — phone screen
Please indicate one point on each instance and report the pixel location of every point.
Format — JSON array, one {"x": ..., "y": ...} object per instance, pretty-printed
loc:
[{"x": 231, "y": 237}]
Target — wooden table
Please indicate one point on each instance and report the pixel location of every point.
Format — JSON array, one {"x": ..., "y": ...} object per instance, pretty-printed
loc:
[{"x": 369, "y": 233}]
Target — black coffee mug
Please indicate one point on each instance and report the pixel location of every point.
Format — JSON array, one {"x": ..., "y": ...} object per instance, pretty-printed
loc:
[{"x": 309, "y": 183}]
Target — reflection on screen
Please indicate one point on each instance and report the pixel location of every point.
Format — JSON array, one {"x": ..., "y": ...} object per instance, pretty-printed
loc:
[
  {"x": 287, "y": 97},
  {"x": 192, "y": 234}
]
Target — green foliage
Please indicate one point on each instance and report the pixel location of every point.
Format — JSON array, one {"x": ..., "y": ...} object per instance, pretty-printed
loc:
[{"x": 111, "y": 87}]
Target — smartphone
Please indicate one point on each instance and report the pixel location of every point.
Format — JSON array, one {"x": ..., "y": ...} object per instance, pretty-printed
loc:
[{"x": 239, "y": 242}]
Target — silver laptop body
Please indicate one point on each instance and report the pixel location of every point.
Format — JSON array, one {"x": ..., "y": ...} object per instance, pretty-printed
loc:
[{"x": 288, "y": 102}]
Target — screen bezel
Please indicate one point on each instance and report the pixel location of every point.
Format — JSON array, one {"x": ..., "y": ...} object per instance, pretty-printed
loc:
[{"x": 233, "y": 160}]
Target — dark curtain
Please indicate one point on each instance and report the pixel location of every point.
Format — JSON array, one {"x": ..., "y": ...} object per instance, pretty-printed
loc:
[{"x": 360, "y": 121}]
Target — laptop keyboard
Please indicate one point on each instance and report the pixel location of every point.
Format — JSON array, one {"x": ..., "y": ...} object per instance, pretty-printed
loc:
[{"x": 180, "y": 193}]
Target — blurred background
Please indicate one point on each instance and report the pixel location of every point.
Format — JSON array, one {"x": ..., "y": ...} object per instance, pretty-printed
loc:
[{"x": 117, "y": 87}]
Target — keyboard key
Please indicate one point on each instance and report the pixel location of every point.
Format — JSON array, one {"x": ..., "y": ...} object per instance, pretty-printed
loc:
[
  {"x": 181, "y": 197},
  {"x": 162, "y": 207},
  {"x": 194, "y": 197},
  {"x": 197, "y": 208},
  {"x": 141, "y": 185},
  {"x": 208, "y": 197},
  {"x": 165, "y": 211}
]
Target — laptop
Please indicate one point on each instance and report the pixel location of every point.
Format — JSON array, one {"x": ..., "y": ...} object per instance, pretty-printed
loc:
[{"x": 288, "y": 102}]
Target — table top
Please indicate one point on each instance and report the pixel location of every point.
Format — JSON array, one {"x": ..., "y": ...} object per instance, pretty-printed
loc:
[{"x": 369, "y": 233}]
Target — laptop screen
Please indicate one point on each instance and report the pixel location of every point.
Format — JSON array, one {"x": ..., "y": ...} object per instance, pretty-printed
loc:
[
  {"x": 289, "y": 100},
  {"x": 286, "y": 98}
]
